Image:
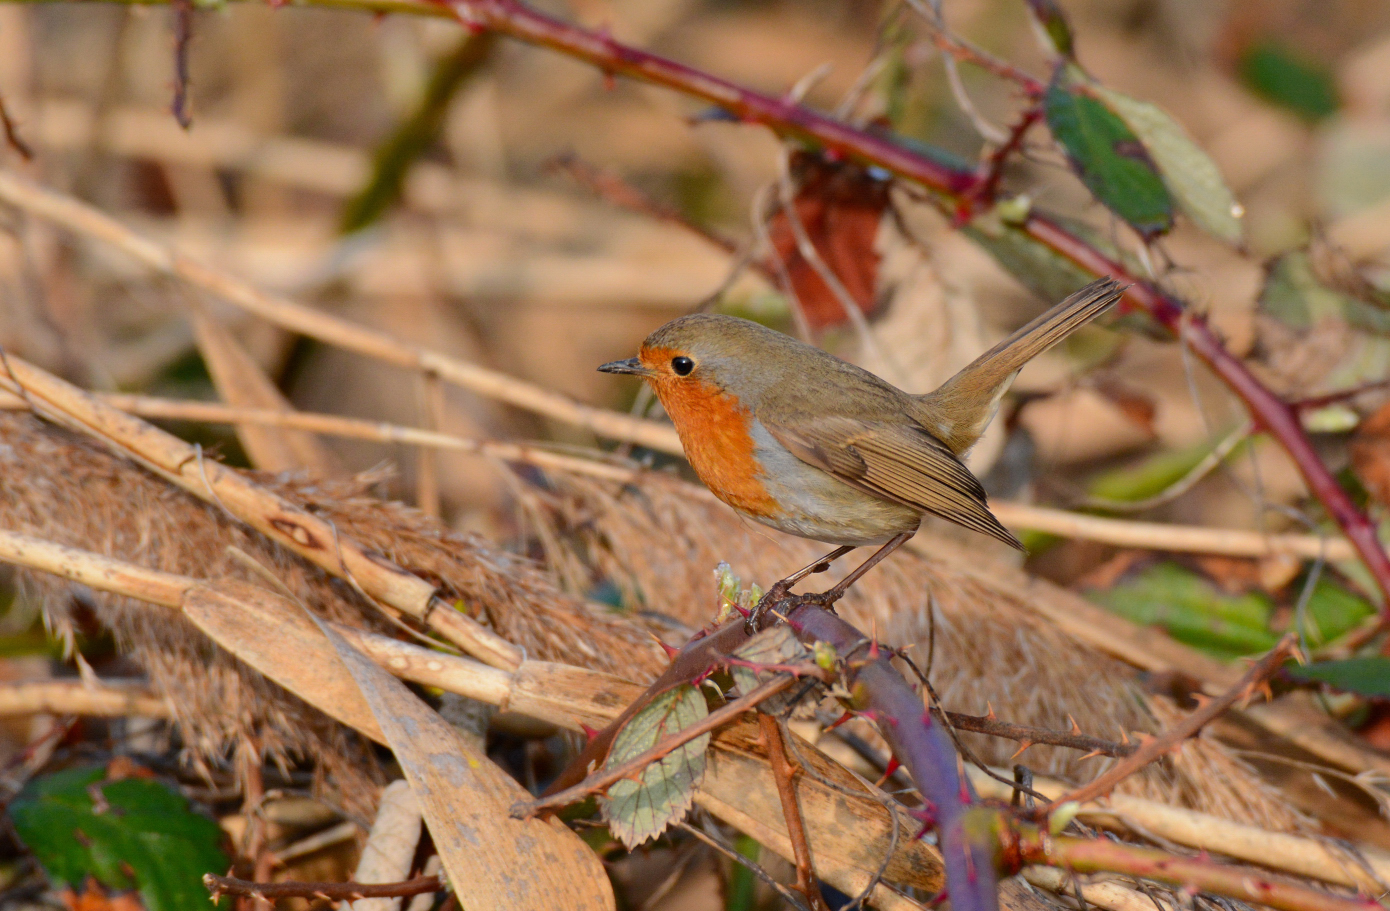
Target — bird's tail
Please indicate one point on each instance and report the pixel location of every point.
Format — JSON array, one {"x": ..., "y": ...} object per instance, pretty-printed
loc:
[{"x": 960, "y": 410}]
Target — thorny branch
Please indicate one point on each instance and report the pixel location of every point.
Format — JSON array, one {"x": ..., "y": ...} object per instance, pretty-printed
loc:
[
  {"x": 987, "y": 724},
  {"x": 219, "y": 886},
  {"x": 784, "y": 773},
  {"x": 1154, "y": 747}
]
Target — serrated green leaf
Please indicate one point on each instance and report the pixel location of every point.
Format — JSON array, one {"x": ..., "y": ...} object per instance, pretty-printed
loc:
[
  {"x": 1189, "y": 173},
  {"x": 1106, "y": 154},
  {"x": 642, "y": 808},
  {"x": 143, "y": 836},
  {"x": 1363, "y": 676}
]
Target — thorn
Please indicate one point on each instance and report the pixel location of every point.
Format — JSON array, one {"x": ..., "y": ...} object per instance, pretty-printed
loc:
[
  {"x": 670, "y": 650},
  {"x": 990, "y": 714},
  {"x": 1124, "y": 736},
  {"x": 1075, "y": 728},
  {"x": 1026, "y": 745},
  {"x": 839, "y": 721},
  {"x": 589, "y": 733},
  {"x": 893, "y": 766},
  {"x": 1092, "y": 755}
]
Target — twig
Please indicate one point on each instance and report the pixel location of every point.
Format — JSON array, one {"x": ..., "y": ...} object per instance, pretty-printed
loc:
[
  {"x": 784, "y": 774},
  {"x": 306, "y": 534},
  {"x": 1154, "y": 747},
  {"x": 183, "y": 36},
  {"x": 992, "y": 168},
  {"x": 349, "y": 891},
  {"x": 605, "y": 777},
  {"x": 12, "y": 136},
  {"x": 787, "y": 894},
  {"x": 76, "y": 697},
  {"x": 1102, "y": 855},
  {"x": 618, "y": 192},
  {"x": 987, "y": 724}
]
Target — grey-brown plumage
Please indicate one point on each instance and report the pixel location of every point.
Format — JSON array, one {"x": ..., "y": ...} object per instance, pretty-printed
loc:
[{"x": 798, "y": 439}]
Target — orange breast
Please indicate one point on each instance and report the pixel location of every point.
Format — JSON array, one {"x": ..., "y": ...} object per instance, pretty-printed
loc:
[{"x": 714, "y": 430}]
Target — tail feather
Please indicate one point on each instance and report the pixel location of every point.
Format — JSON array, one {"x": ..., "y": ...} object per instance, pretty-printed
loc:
[{"x": 960, "y": 410}]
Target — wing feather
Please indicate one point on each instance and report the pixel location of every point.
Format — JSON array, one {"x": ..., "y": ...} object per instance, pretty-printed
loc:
[{"x": 897, "y": 462}]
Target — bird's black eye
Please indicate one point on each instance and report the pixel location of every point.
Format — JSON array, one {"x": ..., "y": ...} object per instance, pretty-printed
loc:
[{"x": 682, "y": 365}]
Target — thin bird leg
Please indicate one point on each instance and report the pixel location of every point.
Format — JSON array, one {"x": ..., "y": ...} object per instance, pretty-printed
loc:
[
  {"x": 819, "y": 566},
  {"x": 835, "y": 594},
  {"x": 780, "y": 589}
]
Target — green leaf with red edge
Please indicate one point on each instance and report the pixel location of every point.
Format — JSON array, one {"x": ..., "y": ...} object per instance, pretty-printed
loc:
[
  {"x": 1189, "y": 173},
  {"x": 640, "y": 808},
  {"x": 131, "y": 833},
  {"x": 1106, "y": 154},
  {"x": 1054, "y": 26},
  {"x": 1362, "y": 676}
]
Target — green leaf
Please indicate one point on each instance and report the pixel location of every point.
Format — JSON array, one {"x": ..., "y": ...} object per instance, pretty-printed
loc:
[
  {"x": 1055, "y": 29},
  {"x": 642, "y": 808},
  {"x": 1332, "y": 612},
  {"x": 1363, "y": 676},
  {"x": 1193, "y": 610},
  {"x": 1106, "y": 154},
  {"x": 1154, "y": 474},
  {"x": 1189, "y": 173},
  {"x": 1293, "y": 82},
  {"x": 141, "y": 835}
]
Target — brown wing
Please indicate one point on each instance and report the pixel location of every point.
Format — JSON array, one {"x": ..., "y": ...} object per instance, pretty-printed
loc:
[{"x": 902, "y": 463}]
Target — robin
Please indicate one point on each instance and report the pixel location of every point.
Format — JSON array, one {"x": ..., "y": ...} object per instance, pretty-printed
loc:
[{"x": 795, "y": 438}]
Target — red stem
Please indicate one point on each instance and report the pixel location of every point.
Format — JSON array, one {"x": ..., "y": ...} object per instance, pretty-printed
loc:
[{"x": 790, "y": 119}]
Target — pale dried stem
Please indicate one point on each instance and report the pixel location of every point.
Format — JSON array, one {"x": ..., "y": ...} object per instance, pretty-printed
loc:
[
  {"x": 312, "y": 537},
  {"x": 1363, "y": 868},
  {"x": 77, "y": 697}
]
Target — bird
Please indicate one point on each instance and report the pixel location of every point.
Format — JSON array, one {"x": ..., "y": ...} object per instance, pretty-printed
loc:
[{"x": 795, "y": 438}]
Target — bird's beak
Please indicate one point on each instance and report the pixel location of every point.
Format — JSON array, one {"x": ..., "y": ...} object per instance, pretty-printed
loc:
[{"x": 631, "y": 366}]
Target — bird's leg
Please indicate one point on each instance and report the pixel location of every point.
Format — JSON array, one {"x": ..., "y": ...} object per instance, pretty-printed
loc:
[
  {"x": 826, "y": 599},
  {"x": 780, "y": 589},
  {"x": 819, "y": 566}
]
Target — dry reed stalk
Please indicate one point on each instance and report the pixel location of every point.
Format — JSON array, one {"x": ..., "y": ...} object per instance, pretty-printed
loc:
[
  {"x": 77, "y": 697},
  {"x": 1363, "y": 868},
  {"x": 66, "y": 489},
  {"x": 1160, "y": 536},
  {"x": 991, "y": 648}
]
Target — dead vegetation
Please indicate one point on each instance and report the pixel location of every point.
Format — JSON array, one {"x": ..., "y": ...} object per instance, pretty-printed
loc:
[{"x": 1219, "y": 493}]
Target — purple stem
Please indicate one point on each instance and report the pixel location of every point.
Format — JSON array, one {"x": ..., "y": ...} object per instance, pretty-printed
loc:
[{"x": 922, "y": 745}]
